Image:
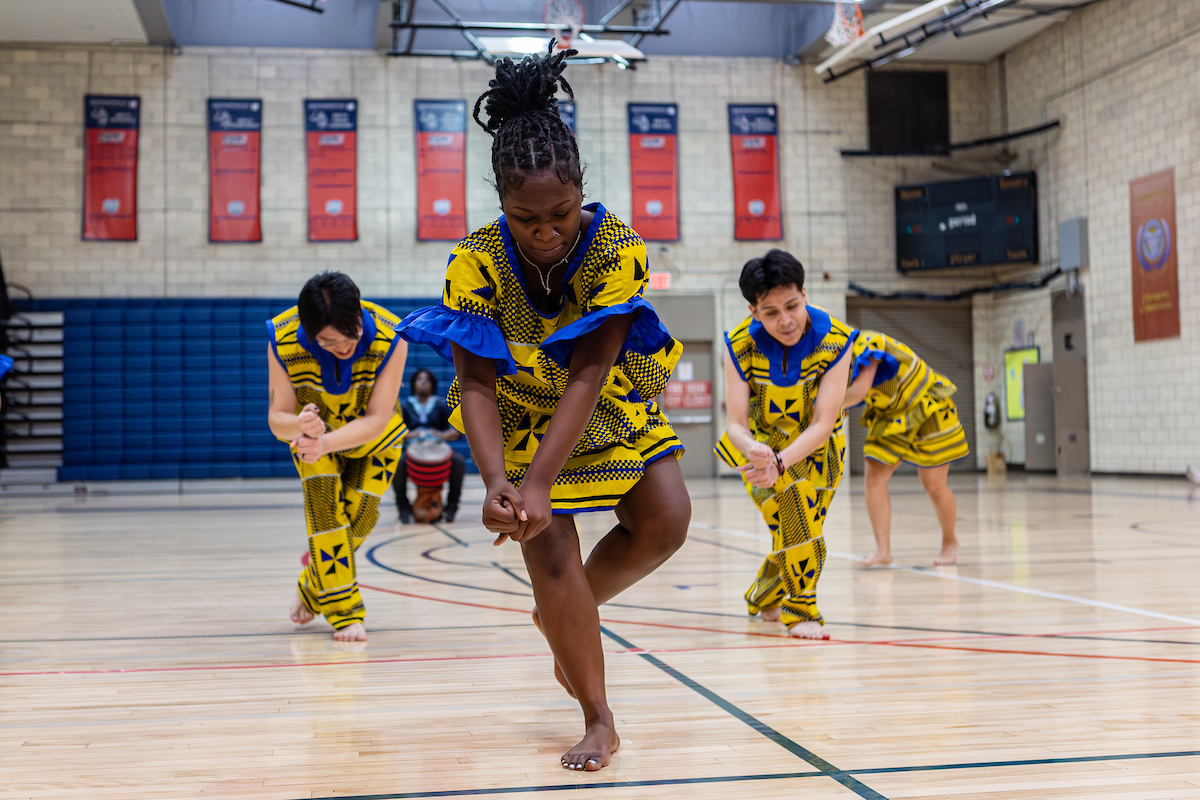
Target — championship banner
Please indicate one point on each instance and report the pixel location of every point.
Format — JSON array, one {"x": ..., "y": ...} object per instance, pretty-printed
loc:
[
  {"x": 654, "y": 170},
  {"x": 110, "y": 162},
  {"x": 1155, "y": 268},
  {"x": 330, "y": 129},
  {"x": 753, "y": 133},
  {"x": 566, "y": 110},
  {"x": 441, "y": 170},
  {"x": 234, "y": 128}
]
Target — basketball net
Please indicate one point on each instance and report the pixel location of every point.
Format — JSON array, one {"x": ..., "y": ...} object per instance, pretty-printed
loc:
[
  {"x": 847, "y": 24},
  {"x": 563, "y": 20}
]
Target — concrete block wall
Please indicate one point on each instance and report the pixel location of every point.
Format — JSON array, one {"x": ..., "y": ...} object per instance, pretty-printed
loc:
[{"x": 1118, "y": 75}]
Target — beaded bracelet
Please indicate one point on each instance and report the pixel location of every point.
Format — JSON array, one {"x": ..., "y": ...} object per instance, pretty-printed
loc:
[{"x": 779, "y": 465}]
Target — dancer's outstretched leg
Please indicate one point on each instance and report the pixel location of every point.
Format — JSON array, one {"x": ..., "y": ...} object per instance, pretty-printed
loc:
[
  {"x": 879, "y": 510},
  {"x": 944, "y": 503},
  {"x": 571, "y": 623}
]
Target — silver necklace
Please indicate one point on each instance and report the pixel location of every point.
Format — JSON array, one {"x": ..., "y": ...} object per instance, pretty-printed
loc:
[{"x": 545, "y": 276}]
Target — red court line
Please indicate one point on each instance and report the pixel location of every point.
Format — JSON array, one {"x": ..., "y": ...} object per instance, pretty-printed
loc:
[{"x": 1037, "y": 653}]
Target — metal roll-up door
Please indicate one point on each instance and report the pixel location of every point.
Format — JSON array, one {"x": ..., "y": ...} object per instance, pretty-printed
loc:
[{"x": 938, "y": 332}]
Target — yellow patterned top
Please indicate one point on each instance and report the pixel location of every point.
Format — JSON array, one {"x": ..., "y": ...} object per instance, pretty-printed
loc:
[
  {"x": 783, "y": 390},
  {"x": 485, "y": 310},
  {"x": 340, "y": 389},
  {"x": 894, "y": 404}
]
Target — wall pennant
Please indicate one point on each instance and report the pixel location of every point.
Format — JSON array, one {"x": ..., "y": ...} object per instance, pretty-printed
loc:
[
  {"x": 654, "y": 170},
  {"x": 234, "y": 170},
  {"x": 1155, "y": 265},
  {"x": 441, "y": 170},
  {"x": 753, "y": 132},
  {"x": 331, "y": 138},
  {"x": 110, "y": 164}
]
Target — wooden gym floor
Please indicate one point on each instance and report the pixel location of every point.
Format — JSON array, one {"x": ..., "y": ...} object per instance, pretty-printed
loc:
[{"x": 145, "y": 653}]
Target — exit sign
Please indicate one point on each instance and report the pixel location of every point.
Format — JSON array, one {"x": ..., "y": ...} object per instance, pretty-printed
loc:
[{"x": 660, "y": 280}]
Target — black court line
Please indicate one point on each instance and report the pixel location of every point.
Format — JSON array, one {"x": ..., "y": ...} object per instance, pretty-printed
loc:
[
  {"x": 826, "y": 769},
  {"x": 559, "y": 787},
  {"x": 299, "y": 506}
]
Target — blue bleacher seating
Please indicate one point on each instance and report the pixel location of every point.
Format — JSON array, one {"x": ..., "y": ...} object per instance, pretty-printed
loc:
[{"x": 163, "y": 389}]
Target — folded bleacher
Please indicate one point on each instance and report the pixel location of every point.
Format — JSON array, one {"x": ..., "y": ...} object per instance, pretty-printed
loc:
[{"x": 177, "y": 388}]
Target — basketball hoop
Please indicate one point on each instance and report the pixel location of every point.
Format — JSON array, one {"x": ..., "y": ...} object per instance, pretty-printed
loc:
[
  {"x": 563, "y": 19},
  {"x": 847, "y": 24}
]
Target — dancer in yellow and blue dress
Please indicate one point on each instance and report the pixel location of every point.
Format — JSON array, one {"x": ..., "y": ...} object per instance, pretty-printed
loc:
[
  {"x": 911, "y": 417},
  {"x": 5, "y": 366},
  {"x": 558, "y": 355},
  {"x": 335, "y": 366},
  {"x": 785, "y": 377}
]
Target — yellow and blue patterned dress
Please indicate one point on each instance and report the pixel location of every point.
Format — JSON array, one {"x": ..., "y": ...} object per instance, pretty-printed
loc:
[
  {"x": 341, "y": 490},
  {"x": 783, "y": 393},
  {"x": 909, "y": 412},
  {"x": 486, "y": 311}
]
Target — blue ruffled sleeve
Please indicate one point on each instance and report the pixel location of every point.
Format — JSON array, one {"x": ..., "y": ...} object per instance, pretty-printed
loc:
[
  {"x": 888, "y": 365},
  {"x": 648, "y": 336},
  {"x": 439, "y": 327},
  {"x": 5, "y": 365}
]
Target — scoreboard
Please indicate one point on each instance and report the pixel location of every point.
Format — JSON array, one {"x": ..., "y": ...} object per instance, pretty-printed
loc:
[{"x": 967, "y": 223}]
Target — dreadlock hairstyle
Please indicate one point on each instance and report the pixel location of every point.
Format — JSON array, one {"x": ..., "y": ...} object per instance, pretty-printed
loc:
[{"x": 528, "y": 135}]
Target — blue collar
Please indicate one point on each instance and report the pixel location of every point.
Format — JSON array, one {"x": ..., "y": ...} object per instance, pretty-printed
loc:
[
  {"x": 819, "y": 326},
  {"x": 331, "y": 366},
  {"x": 585, "y": 242}
]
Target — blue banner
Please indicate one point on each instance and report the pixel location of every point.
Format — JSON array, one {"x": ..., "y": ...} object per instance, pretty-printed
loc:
[
  {"x": 234, "y": 115},
  {"x": 330, "y": 115},
  {"x": 566, "y": 110}
]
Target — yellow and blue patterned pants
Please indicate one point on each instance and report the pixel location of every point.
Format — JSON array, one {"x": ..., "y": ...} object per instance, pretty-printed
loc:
[
  {"x": 795, "y": 512},
  {"x": 341, "y": 506}
]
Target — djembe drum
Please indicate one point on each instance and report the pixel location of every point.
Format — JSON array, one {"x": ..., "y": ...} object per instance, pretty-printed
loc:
[{"x": 428, "y": 461}]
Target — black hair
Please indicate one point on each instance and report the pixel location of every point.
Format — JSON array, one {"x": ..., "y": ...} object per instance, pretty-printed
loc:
[
  {"x": 412, "y": 382},
  {"x": 528, "y": 135},
  {"x": 776, "y": 268},
  {"x": 330, "y": 298}
]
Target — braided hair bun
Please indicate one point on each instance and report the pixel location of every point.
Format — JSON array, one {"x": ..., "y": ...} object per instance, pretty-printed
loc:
[{"x": 528, "y": 135}]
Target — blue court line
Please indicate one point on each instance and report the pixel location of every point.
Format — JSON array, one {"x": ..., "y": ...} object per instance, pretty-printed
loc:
[{"x": 559, "y": 787}]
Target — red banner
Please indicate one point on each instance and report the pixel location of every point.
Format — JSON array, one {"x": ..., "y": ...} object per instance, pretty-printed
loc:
[
  {"x": 654, "y": 170},
  {"x": 331, "y": 130},
  {"x": 234, "y": 131},
  {"x": 1155, "y": 267},
  {"x": 441, "y": 170},
  {"x": 753, "y": 132},
  {"x": 110, "y": 162}
]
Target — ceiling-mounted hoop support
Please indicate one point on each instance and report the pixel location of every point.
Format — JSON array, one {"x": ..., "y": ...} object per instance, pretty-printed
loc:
[{"x": 405, "y": 27}]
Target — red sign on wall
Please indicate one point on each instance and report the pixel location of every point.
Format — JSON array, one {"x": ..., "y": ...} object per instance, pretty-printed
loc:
[
  {"x": 753, "y": 133},
  {"x": 331, "y": 130},
  {"x": 654, "y": 170},
  {"x": 1155, "y": 267},
  {"x": 687, "y": 394},
  {"x": 441, "y": 170},
  {"x": 234, "y": 131},
  {"x": 110, "y": 162}
]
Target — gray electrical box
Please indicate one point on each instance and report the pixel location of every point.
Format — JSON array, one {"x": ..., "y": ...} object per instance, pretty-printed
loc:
[{"x": 1073, "y": 244}]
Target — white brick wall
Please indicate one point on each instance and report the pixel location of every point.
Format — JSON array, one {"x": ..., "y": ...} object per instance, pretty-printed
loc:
[{"x": 1120, "y": 76}]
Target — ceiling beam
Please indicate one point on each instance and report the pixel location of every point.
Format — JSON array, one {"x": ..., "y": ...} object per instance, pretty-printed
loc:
[{"x": 154, "y": 22}]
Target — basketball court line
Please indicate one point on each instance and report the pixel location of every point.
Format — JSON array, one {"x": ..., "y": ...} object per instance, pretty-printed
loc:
[
  {"x": 977, "y": 581},
  {"x": 560, "y": 787}
]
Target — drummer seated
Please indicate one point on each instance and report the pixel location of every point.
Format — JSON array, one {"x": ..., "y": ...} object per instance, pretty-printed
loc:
[{"x": 427, "y": 415}]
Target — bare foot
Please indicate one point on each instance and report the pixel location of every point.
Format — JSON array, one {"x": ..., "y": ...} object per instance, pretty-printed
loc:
[
  {"x": 299, "y": 612},
  {"x": 877, "y": 559},
  {"x": 351, "y": 633},
  {"x": 771, "y": 614},
  {"x": 949, "y": 555},
  {"x": 595, "y": 750},
  {"x": 808, "y": 630},
  {"x": 558, "y": 673}
]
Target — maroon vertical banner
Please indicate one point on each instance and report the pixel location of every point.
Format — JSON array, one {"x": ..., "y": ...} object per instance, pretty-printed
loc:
[
  {"x": 331, "y": 128},
  {"x": 654, "y": 170},
  {"x": 234, "y": 159},
  {"x": 110, "y": 162},
  {"x": 1155, "y": 267},
  {"x": 753, "y": 132},
  {"x": 441, "y": 170}
]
